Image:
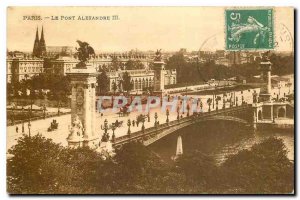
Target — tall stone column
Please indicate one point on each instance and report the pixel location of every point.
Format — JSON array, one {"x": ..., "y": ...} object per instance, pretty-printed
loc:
[
  {"x": 265, "y": 67},
  {"x": 159, "y": 76},
  {"x": 82, "y": 131},
  {"x": 269, "y": 84},
  {"x": 159, "y": 73}
]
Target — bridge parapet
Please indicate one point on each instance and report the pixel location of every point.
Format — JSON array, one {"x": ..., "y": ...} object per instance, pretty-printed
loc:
[{"x": 150, "y": 135}]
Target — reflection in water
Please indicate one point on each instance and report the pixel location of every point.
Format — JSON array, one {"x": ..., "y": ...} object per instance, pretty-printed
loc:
[{"x": 218, "y": 139}]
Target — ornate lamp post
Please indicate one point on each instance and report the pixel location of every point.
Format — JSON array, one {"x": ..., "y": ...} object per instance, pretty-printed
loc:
[
  {"x": 201, "y": 107},
  {"x": 148, "y": 106},
  {"x": 218, "y": 98},
  {"x": 209, "y": 101},
  {"x": 167, "y": 113},
  {"x": 224, "y": 101},
  {"x": 143, "y": 123},
  {"x": 58, "y": 109},
  {"x": 29, "y": 126},
  {"x": 44, "y": 109},
  {"x": 23, "y": 129},
  {"x": 129, "y": 124},
  {"x": 155, "y": 117},
  {"x": 113, "y": 128},
  {"x": 30, "y": 112},
  {"x": 178, "y": 113},
  {"x": 213, "y": 101},
  {"x": 105, "y": 136},
  {"x": 29, "y": 119},
  {"x": 13, "y": 115}
]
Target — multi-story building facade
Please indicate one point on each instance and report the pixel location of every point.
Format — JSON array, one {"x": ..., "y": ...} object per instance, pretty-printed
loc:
[
  {"x": 63, "y": 64},
  {"x": 9, "y": 70},
  {"x": 19, "y": 68},
  {"x": 59, "y": 60},
  {"x": 107, "y": 60},
  {"x": 60, "y": 66}
]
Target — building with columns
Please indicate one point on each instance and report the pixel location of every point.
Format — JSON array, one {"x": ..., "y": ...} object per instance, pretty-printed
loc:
[{"x": 140, "y": 78}]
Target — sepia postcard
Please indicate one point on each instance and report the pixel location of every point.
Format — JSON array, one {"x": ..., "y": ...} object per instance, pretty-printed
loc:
[{"x": 150, "y": 100}]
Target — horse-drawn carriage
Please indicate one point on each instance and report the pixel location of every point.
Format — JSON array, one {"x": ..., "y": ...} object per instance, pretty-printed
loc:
[
  {"x": 123, "y": 111},
  {"x": 117, "y": 124},
  {"x": 53, "y": 126}
]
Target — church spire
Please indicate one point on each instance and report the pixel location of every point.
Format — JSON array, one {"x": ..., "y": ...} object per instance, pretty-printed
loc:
[
  {"x": 42, "y": 44},
  {"x": 37, "y": 34},
  {"x": 42, "y": 34},
  {"x": 35, "y": 51}
]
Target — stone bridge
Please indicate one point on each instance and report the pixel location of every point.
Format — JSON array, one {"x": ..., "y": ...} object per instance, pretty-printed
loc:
[{"x": 241, "y": 114}]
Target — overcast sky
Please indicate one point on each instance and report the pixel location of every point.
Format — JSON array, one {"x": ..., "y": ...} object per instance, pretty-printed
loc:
[{"x": 143, "y": 28}]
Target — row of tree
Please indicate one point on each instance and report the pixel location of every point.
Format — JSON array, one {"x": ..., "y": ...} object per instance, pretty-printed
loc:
[
  {"x": 116, "y": 65},
  {"x": 194, "y": 72},
  {"x": 58, "y": 87},
  {"x": 39, "y": 166},
  {"x": 124, "y": 84}
]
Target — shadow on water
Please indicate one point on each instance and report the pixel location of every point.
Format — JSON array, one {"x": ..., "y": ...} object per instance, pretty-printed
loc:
[{"x": 218, "y": 139}]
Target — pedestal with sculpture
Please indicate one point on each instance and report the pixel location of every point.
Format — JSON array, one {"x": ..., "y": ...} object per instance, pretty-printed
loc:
[
  {"x": 265, "y": 67},
  {"x": 159, "y": 75},
  {"x": 83, "y": 108}
]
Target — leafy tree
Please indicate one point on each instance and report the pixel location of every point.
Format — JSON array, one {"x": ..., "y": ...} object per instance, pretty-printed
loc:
[
  {"x": 28, "y": 169},
  {"x": 127, "y": 84},
  {"x": 115, "y": 64},
  {"x": 193, "y": 72},
  {"x": 139, "y": 64},
  {"x": 138, "y": 170},
  {"x": 39, "y": 166},
  {"x": 200, "y": 169},
  {"x": 114, "y": 87},
  {"x": 9, "y": 89},
  {"x": 103, "y": 82},
  {"x": 134, "y": 64},
  {"x": 282, "y": 65},
  {"x": 264, "y": 168}
]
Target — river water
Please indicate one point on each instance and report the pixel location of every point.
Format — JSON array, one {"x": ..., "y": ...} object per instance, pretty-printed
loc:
[{"x": 218, "y": 139}]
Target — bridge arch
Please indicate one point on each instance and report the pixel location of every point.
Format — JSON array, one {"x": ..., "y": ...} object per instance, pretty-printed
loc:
[
  {"x": 154, "y": 134},
  {"x": 226, "y": 118}
]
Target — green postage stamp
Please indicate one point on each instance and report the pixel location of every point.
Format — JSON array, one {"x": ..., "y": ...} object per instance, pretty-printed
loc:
[{"x": 249, "y": 29}]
